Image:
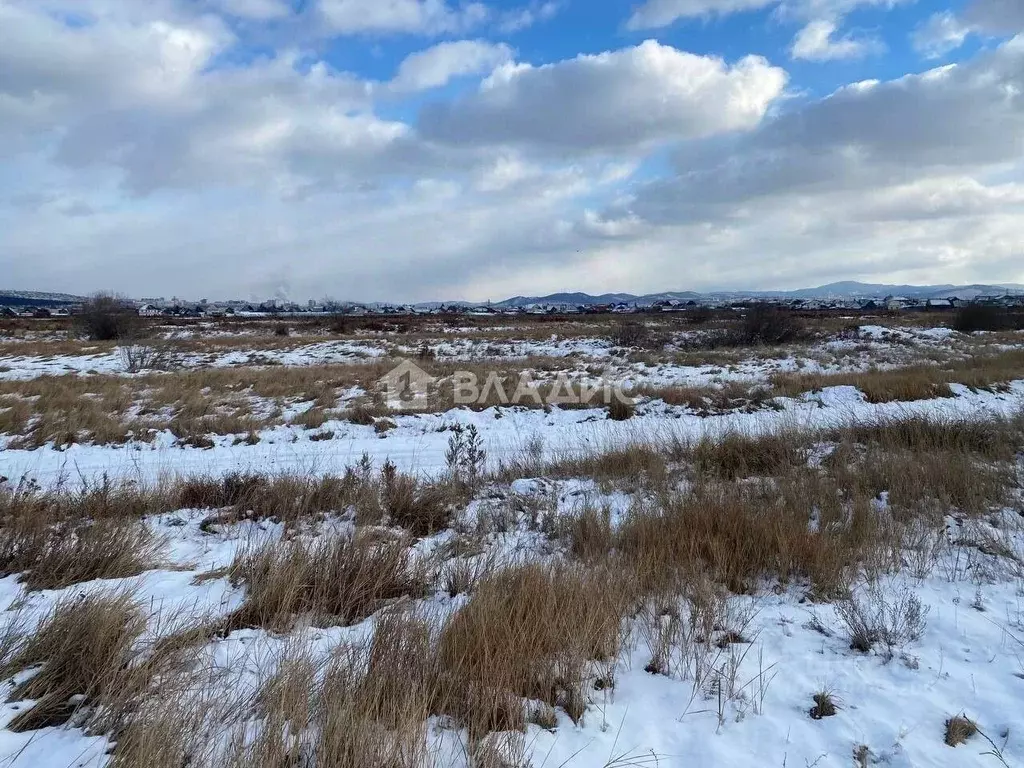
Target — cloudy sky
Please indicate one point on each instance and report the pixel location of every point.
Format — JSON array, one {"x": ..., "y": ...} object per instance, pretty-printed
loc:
[{"x": 474, "y": 149}]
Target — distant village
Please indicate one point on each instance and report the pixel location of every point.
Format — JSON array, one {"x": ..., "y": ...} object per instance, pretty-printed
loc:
[{"x": 29, "y": 307}]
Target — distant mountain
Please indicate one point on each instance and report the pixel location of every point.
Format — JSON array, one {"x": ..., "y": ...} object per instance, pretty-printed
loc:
[
  {"x": 847, "y": 289},
  {"x": 37, "y": 299},
  {"x": 574, "y": 299}
]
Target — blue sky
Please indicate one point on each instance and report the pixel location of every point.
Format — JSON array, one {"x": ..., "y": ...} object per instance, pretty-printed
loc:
[{"x": 433, "y": 149}]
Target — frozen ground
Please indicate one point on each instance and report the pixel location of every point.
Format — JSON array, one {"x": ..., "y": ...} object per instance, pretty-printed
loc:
[
  {"x": 893, "y": 704},
  {"x": 418, "y": 443}
]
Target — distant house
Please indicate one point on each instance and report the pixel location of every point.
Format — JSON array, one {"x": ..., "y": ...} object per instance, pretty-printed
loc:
[
  {"x": 941, "y": 304},
  {"x": 148, "y": 310}
]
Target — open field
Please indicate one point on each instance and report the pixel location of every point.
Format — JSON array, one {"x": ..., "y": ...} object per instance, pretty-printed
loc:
[{"x": 227, "y": 546}]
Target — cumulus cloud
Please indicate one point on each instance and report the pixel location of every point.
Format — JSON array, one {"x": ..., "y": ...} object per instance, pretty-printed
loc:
[
  {"x": 653, "y": 14},
  {"x": 616, "y": 100},
  {"x": 435, "y": 66},
  {"x": 259, "y": 10},
  {"x": 942, "y": 33},
  {"x": 815, "y": 42},
  {"x": 948, "y": 123},
  {"x": 393, "y": 16},
  {"x": 999, "y": 16},
  {"x": 280, "y": 169}
]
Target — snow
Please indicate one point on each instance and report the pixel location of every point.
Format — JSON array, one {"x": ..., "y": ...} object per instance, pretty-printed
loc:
[
  {"x": 419, "y": 442},
  {"x": 968, "y": 660}
]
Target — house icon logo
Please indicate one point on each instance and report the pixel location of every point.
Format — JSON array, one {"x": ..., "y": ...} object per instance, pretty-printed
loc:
[{"x": 406, "y": 387}]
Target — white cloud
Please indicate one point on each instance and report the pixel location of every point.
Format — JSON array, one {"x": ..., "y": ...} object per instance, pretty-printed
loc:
[
  {"x": 623, "y": 100},
  {"x": 258, "y": 10},
  {"x": 405, "y": 16},
  {"x": 523, "y": 18},
  {"x": 437, "y": 65},
  {"x": 942, "y": 33},
  {"x": 999, "y": 16},
  {"x": 815, "y": 42},
  {"x": 281, "y": 172},
  {"x": 661, "y": 13}
]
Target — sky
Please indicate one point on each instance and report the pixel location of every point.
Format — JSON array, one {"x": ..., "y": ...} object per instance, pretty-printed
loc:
[{"x": 417, "y": 150}]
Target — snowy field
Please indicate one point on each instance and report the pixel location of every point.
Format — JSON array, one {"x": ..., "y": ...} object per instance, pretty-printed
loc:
[{"x": 805, "y": 554}]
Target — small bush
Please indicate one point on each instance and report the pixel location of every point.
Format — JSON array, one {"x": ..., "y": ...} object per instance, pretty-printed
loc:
[
  {"x": 105, "y": 317},
  {"x": 630, "y": 333},
  {"x": 875, "y": 618},
  {"x": 959, "y": 729},
  {"x": 979, "y": 317},
  {"x": 282, "y": 330},
  {"x": 765, "y": 324},
  {"x": 824, "y": 706},
  {"x": 620, "y": 409}
]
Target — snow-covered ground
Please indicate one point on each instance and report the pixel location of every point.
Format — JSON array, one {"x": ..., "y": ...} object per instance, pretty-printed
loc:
[
  {"x": 893, "y": 703},
  {"x": 418, "y": 442},
  {"x": 891, "y": 706}
]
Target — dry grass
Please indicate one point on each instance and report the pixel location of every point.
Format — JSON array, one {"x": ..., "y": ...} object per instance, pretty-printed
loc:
[
  {"x": 959, "y": 729},
  {"x": 333, "y": 580},
  {"x": 916, "y": 382},
  {"x": 533, "y": 631},
  {"x": 84, "y": 651},
  {"x": 741, "y": 535},
  {"x": 705, "y": 401},
  {"x": 734, "y": 455},
  {"x": 56, "y": 540},
  {"x": 824, "y": 706}
]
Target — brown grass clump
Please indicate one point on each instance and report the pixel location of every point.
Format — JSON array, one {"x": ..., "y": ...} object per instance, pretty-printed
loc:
[
  {"x": 824, "y": 706},
  {"x": 740, "y": 535},
  {"x": 363, "y": 706},
  {"x": 332, "y": 580},
  {"x": 620, "y": 410},
  {"x": 629, "y": 463},
  {"x": 529, "y": 632},
  {"x": 734, "y": 455},
  {"x": 924, "y": 482},
  {"x": 959, "y": 729},
  {"x": 57, "y": 539},
  {"x": 993, "y": 438},
  {"x": 84, "y": 654},
  {"x": 422, "y": 509}
]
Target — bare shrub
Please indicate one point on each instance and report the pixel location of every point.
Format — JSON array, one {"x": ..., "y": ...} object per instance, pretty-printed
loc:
[
  {"x": 631, "y": 333},
  {"x": 332, "y": 580},
  {"x": 875, "y": 617},
  {"x": 981, "y": 317},
  {"x": 106, "y": 317},
  {"x": 766, "y": 324},
  {"x": 145, "y": 355}
]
